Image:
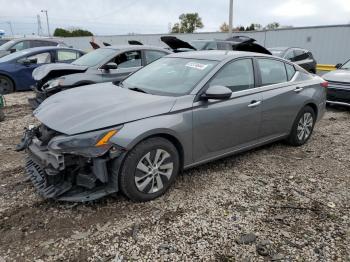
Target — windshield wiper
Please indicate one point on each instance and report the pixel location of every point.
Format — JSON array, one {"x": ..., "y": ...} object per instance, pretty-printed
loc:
[{"x": 137, "y": 89}]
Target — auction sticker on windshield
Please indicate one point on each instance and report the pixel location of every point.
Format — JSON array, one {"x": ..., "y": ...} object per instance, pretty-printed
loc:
[{"x": 198, "y": 66}]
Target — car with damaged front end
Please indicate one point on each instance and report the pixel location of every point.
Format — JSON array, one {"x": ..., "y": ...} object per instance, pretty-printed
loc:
[{"x": 180, "y": 111}]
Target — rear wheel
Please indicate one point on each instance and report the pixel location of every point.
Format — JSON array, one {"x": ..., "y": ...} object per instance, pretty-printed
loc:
[
  {"x": 149, "y": 169},
  {"x": 303, "y": 127},
  {"x": 6, "y": 85}
]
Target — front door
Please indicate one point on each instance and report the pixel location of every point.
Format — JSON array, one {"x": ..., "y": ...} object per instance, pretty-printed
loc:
[{"x": 220, "y": 127}]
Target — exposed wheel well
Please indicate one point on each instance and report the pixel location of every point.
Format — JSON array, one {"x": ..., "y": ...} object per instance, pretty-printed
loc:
[
  {"x": 13, "y": 82},
  {"x": 314, "y": 107},
  {"x": 176, "y": 143}
]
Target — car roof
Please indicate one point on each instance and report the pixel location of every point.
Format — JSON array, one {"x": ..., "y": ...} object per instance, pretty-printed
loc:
[
  {"x": 135, "y": 47},
  {"x": 48, "y": 48},
  {"x": 37, "y": 38},
  {"x": 218, "y": 55}
]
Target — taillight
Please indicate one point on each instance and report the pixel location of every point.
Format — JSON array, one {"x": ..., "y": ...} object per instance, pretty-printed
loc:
[{"x": 324, "y": 84}]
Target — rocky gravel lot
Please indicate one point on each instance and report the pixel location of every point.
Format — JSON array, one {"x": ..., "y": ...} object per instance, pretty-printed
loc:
[{"x": 275, "y": 203}]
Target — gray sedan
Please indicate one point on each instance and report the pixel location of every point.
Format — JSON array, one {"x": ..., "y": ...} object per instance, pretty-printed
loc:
[{"x": 181, "y": 111}]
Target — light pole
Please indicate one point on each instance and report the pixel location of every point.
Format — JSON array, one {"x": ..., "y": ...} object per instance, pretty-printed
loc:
[
  {"x": 10, "y": 24},
  {"x": 47, "y": 21},
  {"x": 230, "y": 18}
]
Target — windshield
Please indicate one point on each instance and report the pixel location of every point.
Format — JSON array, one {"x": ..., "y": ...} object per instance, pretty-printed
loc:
[
  {"x": 199, "y": 45},
  {"x": 14, "y": 56},
  {"x": 95, "y": 57},
  {"x": 7, "y": 45},
  {"x": 170, "y": 76},
  {"x": 346, "y": 66}
]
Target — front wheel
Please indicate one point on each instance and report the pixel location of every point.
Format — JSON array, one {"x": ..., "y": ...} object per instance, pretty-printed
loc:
[
  {"x": 149, "y": 169},
  {"x": 303, "y": 127}
]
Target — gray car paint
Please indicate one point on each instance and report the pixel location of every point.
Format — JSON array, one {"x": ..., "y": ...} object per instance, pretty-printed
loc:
[
  {"x": 204, "y": 129},
  {"x": 340, "y": 75}
]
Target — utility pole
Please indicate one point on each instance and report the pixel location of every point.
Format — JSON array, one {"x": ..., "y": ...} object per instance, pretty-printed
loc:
[
  {"x": 47, "y": 21},
  {"x": 40, "y": 29},
  {"x": 230, "y": 18},
  {"x": 10, "y": 24}
]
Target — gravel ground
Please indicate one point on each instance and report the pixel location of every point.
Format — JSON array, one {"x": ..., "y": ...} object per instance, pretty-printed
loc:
[{"x": 274, "y": 203}]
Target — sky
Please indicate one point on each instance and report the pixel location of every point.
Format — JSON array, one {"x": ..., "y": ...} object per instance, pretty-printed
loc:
[{"x": 113, "y": 17}]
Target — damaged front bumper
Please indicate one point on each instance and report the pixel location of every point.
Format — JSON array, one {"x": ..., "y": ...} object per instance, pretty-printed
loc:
[
  {"x": 70, "y": 177},
  {"x": 40, "y": 96}
]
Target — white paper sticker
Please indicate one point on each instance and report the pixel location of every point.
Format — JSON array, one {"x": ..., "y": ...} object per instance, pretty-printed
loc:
[{"x": 198, "y": 66}]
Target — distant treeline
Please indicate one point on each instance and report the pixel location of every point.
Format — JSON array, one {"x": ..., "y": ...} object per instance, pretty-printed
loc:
[{"x": 71, "y": 33}]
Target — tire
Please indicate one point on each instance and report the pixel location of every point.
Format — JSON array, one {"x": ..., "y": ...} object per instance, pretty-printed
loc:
[
  {"x": 6, "y": 85},
  {"x": 303, "y": 127},
  {"x": 141, "y": 182},
  {"x": 2, "y": 115}
]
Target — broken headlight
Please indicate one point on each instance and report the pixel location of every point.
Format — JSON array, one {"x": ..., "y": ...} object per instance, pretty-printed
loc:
[
  {"x": 92, "y": 144},
  {"x": 53, "y": 83}
]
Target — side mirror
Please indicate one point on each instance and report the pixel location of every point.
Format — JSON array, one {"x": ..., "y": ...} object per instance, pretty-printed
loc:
[
  {"x": 27, "y": 62},
  {"x": 337, "y": 66},
  {"x": 12, "y": 50},
  {"x": 217, "y": 93},
  {"x": 109, "y": 66}
]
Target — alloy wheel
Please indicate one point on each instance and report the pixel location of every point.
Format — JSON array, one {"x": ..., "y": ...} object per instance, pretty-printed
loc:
[
  {"x": 153, "y": 171},
  {"x": 305, "y": 126}
]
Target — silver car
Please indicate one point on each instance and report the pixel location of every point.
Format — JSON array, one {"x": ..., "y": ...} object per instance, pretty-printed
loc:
[{"x": 180, "y": 111}]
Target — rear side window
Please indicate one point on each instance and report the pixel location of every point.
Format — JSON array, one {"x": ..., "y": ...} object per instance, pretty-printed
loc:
[
  {"x": 237, "y": 75},
  {"x": 290, "y": 71},
  {"x": 272, "y": 72},
  {"x": 65, "y": 55},
  {"x": 153, "y": 55}
]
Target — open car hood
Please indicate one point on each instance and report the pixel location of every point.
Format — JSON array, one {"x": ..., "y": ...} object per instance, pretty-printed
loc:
[
  {"x": 93, "y": 107},
  {"x": 175, "y": 43},
  {"x": 58, "y": 69},
  {"x": 339, "y": 75}
]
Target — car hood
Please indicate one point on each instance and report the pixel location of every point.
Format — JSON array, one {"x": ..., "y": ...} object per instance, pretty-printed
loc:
[
  {"x": 175, "y": 43},
  {"x": 99, "y": 106},
  {"x": 338, "y": 76},
  {"x": 43, "y": 71}
]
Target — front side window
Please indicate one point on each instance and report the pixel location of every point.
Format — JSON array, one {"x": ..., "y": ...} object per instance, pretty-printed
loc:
[
  {"x": 42, "y": 58},
  {"x": 153, "y": 55},
  {"x": 237, "y": 75},
  {"x": 170, "y": 76},
  {"x": 65, "y": 55},
  {"x": 128, "y": 59},
  {"x": 272, "y": 71}
]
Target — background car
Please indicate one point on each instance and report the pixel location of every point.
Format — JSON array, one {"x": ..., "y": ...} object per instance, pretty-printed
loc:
[
  {"x": 106, "y": 64},
  {"x": 16, "y": 68},
  {"x": 338, "y": 91},
  {"x": 300, "y": 56},
  {"x": 20, "y": 44},
  {"x": 238, "y": 43},
  {"x": 4, "y": 40},
  {"x": 180, "y": 111}
]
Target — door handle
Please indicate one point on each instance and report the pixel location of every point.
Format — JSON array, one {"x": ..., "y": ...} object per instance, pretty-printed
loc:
[
  {"x": 254, "y": 104},
  {"x": 298, "y": 89}
]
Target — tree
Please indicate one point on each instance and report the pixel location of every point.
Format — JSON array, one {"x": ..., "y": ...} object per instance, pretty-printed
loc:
[
  {"x": 188, "y": 23},
  {"x": 224, "y": 28},
  {"x": 71, "y": 33},
  {"x": 272, "y": 26},
  {"x": 241, "y": 28}
]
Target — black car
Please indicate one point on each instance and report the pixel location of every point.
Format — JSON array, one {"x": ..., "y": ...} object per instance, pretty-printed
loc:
[
  {"x": 237, "y": 43},
  {"x": 20, "y": 44},
  {"x": 300, "y": 56},
  {"x": 105, "y": 64}
]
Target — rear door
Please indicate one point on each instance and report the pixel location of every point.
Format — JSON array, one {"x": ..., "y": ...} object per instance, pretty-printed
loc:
[
  {"x": 282, "y": 98},
  {"x": 128, "y": 62},
  {"x": 220, "y": 127}
]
